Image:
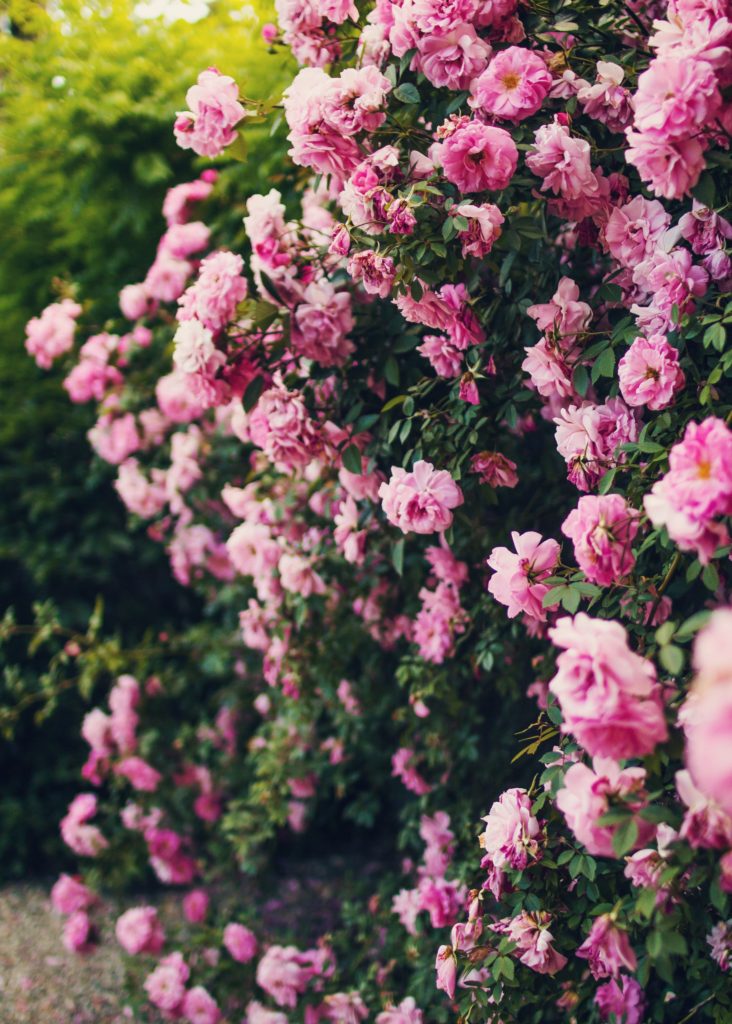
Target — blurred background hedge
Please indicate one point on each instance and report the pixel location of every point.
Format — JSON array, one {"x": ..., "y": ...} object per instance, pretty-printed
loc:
[{"x": 88, "y": 93}]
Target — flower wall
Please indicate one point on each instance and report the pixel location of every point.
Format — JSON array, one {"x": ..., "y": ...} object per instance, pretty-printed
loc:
[{"x": 439, "y": 428}]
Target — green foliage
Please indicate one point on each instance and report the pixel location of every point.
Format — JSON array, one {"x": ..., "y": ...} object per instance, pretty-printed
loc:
[{"x": 87, "y": 153}]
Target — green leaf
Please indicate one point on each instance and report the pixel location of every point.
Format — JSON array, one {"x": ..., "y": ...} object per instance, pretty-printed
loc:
[
  {"x": 351, "y": 458},
  {"x": 397, "y": 556},
  {"x": 692, "y": 625},
  {"x": 625, "y": 837},
  {"x": 604, "y": 365},
  {"x": 710, "y": 577},
  {"x": 391, "y": 371},
  {"x": 672, "y": 659},
  {"x": 581, "y": 379},
  {"x": 705, "y": 191},
  {"x": 571, "y": 600},
  {"x": 715, "y": 336},
  {"x": 607, "y": 481},
  {"x": 407, "y": 93},
  {"x": 393, "y": 402},
  {"x": 253, "y": 391}
]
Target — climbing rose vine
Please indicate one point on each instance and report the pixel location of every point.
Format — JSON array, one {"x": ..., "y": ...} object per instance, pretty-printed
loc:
[{"x": 440, "y": 430}]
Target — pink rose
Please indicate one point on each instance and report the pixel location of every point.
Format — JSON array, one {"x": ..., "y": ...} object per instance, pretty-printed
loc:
[
  {"x": 602, "y": 530},
  {"x": 649, "y": 373},
  {"x": 517, "y": 580},
  {"x": 586, "y": 796},
  {"x": 139, "y": 931},
  {"x": 209, "y": 126},
  {"x": 608, "y": 695},
  {"x": 77, "y": 932},
  {"x": 607, "y": 948},
  {"x": 69, "y": 895},
  {"x": 512, "y": 836},
  {"x": 195, "y": 906},
  {"x": 477, "y": 157},
  {"x": 199, "y": 1007},
  {"x": 240, "y": 942},
  {"x": 514, "y": 85},
  {"x": 420, "y": 501}
]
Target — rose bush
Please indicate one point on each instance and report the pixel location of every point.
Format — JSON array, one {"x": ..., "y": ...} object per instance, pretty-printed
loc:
[{"x": 488, "y": 305}]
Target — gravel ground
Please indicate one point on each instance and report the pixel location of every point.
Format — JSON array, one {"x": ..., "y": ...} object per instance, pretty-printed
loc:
[{"x": 40, "y": 983}]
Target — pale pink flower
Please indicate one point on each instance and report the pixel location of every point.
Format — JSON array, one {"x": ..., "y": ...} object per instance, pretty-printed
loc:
[
  {"x": 635, "y": 229},
  {"x": 607, "y": 100},
  {"x": 675, "y": 98},
  {"x": 513, "y": 86},
  {"x": 420, "y": 501},
  {"x": 165, "y": 986},
  {"x": 213, "y": 297},
  {"x": 564, "y": 317},
  {"x": 134, "y": 302},
  {"x": 83, "y": 838},
  {"x": 344, "y": 1008},
  {"x": 586, "y": 796},
  {"x": 199, "y": 1007},
  {"x": 166, "y": 278},
  {"x": 607, "y": 948},
  {"x": 209, "y": 126},
  {"x": 407, "y": 905},
  {"x": 697, "y": 487},
  {"x": 146, "y": 498},
  {"x": 517, "y": 579},
  {"x": 622, "y": 999},
  {"x": 588, "y": 437},
  {"x": 602, "y": 530},
  {"x": 484, "y": 228},
  {"x": 69, "y": 894},
  {"x": 298, "y": 576},
  {"x": 138, "y": 773},
  {"x": 182, "y": 240},
  {"x": 669, "y": 168},
  {"x": 402, "y": 767},
  {"x": 477, "y": 157},
  {"x": 443, "y": 354},
  {"x": 51, "y": 334},
  {"x": 138, "y": 930},
  {"x": 649, "y": 373},
  {"x": 705, "y": 824},
  {"x": 284, "y": 973},
  {"x": 407, "y": 1012},
  {"x": 446, "y": 967},
  {"x": 562, "y": 161},
  {"x": 179, "y": 198},
  {"x": 376, "y": 273},
  {"x": 321, "y": 323},
  {"x": 708, "y": 728},
  {"x": 258, "y": 1014},
  {"x": 282, "y": 427},
  {"x": 450, "y": 60},
  {"x": 513, "y": 835},
  {"x": 77, "y": 932},
  {"x": 240, "y": 942},
  {"x": 533, "y": 941},
  {"x": 608, "y": 695}
]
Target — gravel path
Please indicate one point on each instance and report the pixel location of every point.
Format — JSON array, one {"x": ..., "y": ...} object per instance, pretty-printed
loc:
[{"x": 40, "y": 983}]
